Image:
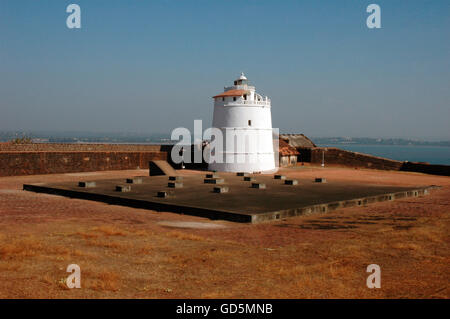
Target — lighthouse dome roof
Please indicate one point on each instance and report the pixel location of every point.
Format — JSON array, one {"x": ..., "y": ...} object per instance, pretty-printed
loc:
[{"x": 242, "y": 76}]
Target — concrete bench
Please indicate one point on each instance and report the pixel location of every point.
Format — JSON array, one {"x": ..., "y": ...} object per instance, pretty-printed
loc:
[
  {"x": 291, "y": 182},
  {"x": 214, "y": 180},
  {"x": 258, "y": 185},
  {"x": 87, "y": 184},
  {"x": 134, "y": 180},
  {"x": 242, "y": 174},
  {"x": 175, "y": 185},
  {"x": 123, "y": 188},
  {"x": 221, "y": 189},
  {"x": 164, "y": 194}
]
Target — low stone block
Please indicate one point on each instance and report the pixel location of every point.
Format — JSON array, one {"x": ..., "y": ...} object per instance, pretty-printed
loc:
[
  {"x": 164, "y": 194},
  {"x": 214, "y": 175},
  {"x": 279, "y": 177},
  {"x": 221, "y": 189},
  {"x": 175, "y": 178},
  {"x": 123, "y": 188},
  {"x": 134, "y": 180},
  {"x": 249, "y": 179},
  {"x": 87, "y": 184},
  {"x": 258, "y": 185},
  {"x": 242, "y": 174},
  {"x": 175, "y": 185},
  {"x": 214, "y": 180},
  {"x": 320, "y": 180},
  {"x": 291, "y": 182}
]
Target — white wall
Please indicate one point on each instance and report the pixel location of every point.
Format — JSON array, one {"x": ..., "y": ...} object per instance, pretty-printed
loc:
[{"x": 253, "y": 151}]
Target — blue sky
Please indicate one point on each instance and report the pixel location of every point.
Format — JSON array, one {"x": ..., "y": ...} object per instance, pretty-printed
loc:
[{"x": 151, "y": 66}]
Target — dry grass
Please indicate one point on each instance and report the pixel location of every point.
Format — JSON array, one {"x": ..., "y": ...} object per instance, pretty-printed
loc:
[
  {"x": 105, "y": 280},
  {"x": 110, "y": 230},
  {"x": 430, "y": 233},
  {"x": 87, "y": 235},
  {"x": 105, "y": 244},
  {"x": 145, "y": 249},
  {"x": 124, "y": 253},
  {"x": 18, "y": 248},
  {"x": 9, "y": 266},
  {"x": 185, "y": 236}
]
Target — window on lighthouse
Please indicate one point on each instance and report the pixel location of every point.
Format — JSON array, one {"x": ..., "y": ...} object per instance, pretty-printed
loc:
[
  {"x": 249, "y": 122},
  {"x": 234, "y": 98}
]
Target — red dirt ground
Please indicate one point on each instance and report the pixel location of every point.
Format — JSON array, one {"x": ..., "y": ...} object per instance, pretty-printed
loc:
[{"x": 132, "y": 253}]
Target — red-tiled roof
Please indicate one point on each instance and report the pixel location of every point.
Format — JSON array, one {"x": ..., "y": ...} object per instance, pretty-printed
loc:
[
  {"x": 285, "y": 149},
  {"x": 232, "y": 93}
]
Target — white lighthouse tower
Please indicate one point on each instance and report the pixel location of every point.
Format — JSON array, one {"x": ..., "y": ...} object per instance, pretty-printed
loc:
[{"x": 244, "y": 118}]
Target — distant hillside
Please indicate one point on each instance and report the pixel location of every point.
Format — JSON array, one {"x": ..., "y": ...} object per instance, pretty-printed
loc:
[
  {"x": 376, "y": 141},
  {"x": 124, "y": 137},
  {"x": 83, "y": 137}
]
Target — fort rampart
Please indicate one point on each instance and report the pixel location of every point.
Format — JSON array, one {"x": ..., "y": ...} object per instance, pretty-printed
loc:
[
  {"x": 339, "y": 157},
  {"x": 30, "y": 159}
]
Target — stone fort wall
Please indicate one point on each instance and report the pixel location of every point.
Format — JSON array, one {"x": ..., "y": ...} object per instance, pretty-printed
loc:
[
  {"x": 62, "y": 147},
  {"x": 31, "y": 159},
  {"x": 338, "y": 157}
]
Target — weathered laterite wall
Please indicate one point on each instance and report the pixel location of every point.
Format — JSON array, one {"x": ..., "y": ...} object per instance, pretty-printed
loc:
[
  {"x": 29, "y": 159},
  {"x": 339, "y": 157},
  {"x": 29, "y": 163},
  {"x": 443, "y": 170},
  {"x": 67, "y": 147}
]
